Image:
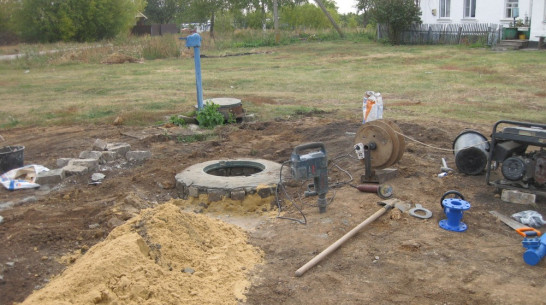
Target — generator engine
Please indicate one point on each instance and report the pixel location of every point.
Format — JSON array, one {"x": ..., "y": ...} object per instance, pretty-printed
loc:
[{"x": 518, "y": 152}]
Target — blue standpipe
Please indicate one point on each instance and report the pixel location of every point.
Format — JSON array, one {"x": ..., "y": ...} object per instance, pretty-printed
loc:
[
  {"x": 536, "y": 249},
  {"x": 194, "y": 41}
]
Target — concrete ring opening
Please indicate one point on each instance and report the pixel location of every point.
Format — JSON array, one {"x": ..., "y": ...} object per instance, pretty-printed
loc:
[{"x": 232, "y": 179}]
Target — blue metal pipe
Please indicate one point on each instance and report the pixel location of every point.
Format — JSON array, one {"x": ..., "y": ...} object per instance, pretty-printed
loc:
[{"x": 194, "y": 41}]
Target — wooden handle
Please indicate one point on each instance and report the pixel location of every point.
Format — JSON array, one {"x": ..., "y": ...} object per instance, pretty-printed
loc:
[{"x": 340, "y": 241}]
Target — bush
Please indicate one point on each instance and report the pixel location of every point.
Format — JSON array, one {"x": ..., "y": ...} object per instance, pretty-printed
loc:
[{"x": 209, "y": 116}]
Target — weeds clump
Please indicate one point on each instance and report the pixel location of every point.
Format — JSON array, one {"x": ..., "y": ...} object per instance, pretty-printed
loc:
[
  {"x": 157, "y": 47},
  {"x": 209, "y": 116}
]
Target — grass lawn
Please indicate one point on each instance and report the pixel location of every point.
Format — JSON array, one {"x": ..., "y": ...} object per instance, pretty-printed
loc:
[{"x": 440, "y": 82}]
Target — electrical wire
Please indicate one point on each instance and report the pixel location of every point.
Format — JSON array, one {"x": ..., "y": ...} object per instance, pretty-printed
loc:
[{"x": 281, "y": 186}]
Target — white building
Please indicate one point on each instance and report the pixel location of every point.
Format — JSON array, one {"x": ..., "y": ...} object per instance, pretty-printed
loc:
[{"x": 532, "y": 12}]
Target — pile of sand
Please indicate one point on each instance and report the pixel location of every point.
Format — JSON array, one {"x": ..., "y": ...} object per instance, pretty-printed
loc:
[{"x": 162, "y": 256}]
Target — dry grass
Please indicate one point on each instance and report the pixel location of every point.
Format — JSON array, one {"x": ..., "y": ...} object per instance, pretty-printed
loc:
[{"x": 473, "y": 85}]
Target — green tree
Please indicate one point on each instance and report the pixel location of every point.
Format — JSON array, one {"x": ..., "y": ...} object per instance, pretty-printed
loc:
[
  {"x": 90, "y": 20},
  {"x": 165, "y": 11},
  {"x": 8, "y": 8},
  {"x": 397, "y": 15}
]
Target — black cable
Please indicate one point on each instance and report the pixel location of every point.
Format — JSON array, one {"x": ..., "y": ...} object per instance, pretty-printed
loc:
[{"x": 281, "y": 184}]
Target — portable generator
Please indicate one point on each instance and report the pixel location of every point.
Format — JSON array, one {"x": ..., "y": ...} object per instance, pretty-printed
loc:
[{"x": 517, "y": 158}]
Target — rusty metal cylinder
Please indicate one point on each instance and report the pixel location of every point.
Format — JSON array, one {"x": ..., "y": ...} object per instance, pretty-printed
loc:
[{"x": 382, "y": 190}]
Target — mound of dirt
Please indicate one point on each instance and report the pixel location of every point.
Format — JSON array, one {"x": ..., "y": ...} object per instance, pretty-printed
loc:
[{"x": 162, "y": 256}]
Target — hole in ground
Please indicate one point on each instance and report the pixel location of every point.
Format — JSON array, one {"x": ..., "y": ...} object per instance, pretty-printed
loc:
[{"x": 234, "y": 168}]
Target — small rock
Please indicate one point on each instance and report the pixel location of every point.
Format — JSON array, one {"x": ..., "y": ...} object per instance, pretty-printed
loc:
[
  {"x": 10, "y": 264},
  {"x": 90, "y": 154},
  {"x": 71, "y": 170},
  {"x": 108, "y": 156},
  {"x": 118, "y": 121},
  {"x": 62, "y": 162},
  {"x": 1, "y": 219},
  {"x": 2, "y": 139},
  {"x": 99, "y": 145},
  {"x": 115, "y": 222},
  {"x": 45, "y": 258},
  {"x": 119, "y": 148},
  {"x": 376, "y": 258},
  {"x": 140, "y": 155},
  {"x": 97, "y": 177},
  {"x": 50, "y": 177},
  {"x": 94, "y": 226},
  {"x": 188, "y": 270},
  {"x": 91, "y": 164}
]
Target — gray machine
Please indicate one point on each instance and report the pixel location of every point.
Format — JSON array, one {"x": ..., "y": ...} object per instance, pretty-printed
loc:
[{"x": 312, "y": 165}]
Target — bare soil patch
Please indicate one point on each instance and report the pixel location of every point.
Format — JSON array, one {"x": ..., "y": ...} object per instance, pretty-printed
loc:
[{"x": 405, "y": 260}]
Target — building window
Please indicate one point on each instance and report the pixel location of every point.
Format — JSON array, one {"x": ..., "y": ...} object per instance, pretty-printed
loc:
[
  {"x": 469, "y": 8},
  {"x": 444, "y": 8},
  {"x": 511, "y": 10}
]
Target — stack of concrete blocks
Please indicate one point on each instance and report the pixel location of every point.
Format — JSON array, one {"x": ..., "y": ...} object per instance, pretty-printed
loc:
[{"x": 90, "y": 160}]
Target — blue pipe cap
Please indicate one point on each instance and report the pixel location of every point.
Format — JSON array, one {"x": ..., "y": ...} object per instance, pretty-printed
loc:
[{"x": 194, "y": 40}]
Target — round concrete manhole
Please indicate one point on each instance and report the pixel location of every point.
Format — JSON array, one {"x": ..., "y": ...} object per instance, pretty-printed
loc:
[
  {"x": 233, "y": 179},
  {"x": 234, "y": 168}
]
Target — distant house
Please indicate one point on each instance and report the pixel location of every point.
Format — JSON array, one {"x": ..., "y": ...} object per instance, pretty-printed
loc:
[
  {"x": 152, "y": 29},
  {"x": 530, "y": 12}
]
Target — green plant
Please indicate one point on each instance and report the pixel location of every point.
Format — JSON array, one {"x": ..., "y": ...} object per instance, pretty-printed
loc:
[
  {"x": 177, "y": 121},
  {"x": 209, "y": 116},
  {"x": 231, "y": 119}
]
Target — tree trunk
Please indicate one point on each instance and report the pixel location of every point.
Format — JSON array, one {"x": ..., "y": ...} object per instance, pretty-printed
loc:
[
  {"x": 212, "y": 25},
  {"x": 332, "y": 21},
  {"x": 276, "y": 20}
]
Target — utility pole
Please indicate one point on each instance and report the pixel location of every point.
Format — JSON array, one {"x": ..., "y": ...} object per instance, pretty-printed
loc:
[
  {"x": 323, "y": 8},
  {"x": 276, "y": 21}
]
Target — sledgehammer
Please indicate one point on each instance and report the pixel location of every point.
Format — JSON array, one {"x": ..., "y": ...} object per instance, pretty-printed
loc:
[{"x": 388, "y": 204}]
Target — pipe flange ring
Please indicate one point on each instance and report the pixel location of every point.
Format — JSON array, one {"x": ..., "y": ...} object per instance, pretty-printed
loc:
[{"x": 419, "y": 208}]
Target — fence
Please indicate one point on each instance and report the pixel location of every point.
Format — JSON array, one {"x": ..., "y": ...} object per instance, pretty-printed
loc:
[{"x": 468, "y": 33}]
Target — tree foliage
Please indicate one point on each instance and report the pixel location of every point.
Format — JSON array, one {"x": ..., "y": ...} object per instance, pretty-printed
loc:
[
  {"x": 308, "y": 16},
  {"x": 90, "y": 20},
  {"x": 397, "y": 15},
  {"x": 165, "y": 11}
]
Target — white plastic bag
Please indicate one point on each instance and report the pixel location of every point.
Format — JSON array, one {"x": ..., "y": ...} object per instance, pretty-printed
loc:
[
  {"x": 372, "y": 106},
  {"x": 22, "y": 177},
  {"x": 529, "y": 218}
]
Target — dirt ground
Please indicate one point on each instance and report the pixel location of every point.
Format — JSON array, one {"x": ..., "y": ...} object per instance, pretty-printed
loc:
[{"x": 393, "y": 260}]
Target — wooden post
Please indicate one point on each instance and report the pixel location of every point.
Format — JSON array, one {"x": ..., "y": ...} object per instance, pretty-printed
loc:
[
  {"x": 332, "y": 21},
  {"x": 459, "y": 34},
  {"x": 276, "y": 21}
]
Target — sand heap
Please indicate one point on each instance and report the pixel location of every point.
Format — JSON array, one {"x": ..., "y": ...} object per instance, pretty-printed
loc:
[{"x": 162, "y": 256}]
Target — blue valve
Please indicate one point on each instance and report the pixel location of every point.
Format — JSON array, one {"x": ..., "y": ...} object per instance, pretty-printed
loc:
[
  {"x": 454, "y": 208},
  {"x": 536, "y": 248}
]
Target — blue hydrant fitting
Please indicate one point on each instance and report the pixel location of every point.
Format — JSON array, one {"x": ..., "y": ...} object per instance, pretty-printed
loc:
[
  {"x": 536, "y": 248},
  {"x": 194, "y": 41},
  {"x": 453, "y": 208}
]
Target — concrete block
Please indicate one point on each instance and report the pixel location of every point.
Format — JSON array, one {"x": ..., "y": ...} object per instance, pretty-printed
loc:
[
  {"x": 515, "y": 196},
  {"x": 108, "y": 156},
  {"x": 90, "y": 154},
  {"x": 74, "y": 170},
  {"x": 119, "y": 148},
  {"x": 138, "y": 155},
  {"x": 91, "y": 164},
  {"x": 193, "y": 191},
  {"x": 50, "y": 177},
  {"x": 216, "y": 195},
  {"x": 62, "y": 162},
  {"x": 238, "y": 195},
  {"x": 264, "y": 192},
  {"x": 99, "y": 145}
]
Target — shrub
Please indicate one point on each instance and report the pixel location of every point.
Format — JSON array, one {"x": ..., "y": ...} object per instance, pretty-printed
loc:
[{"x": 209, "y": 116}]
